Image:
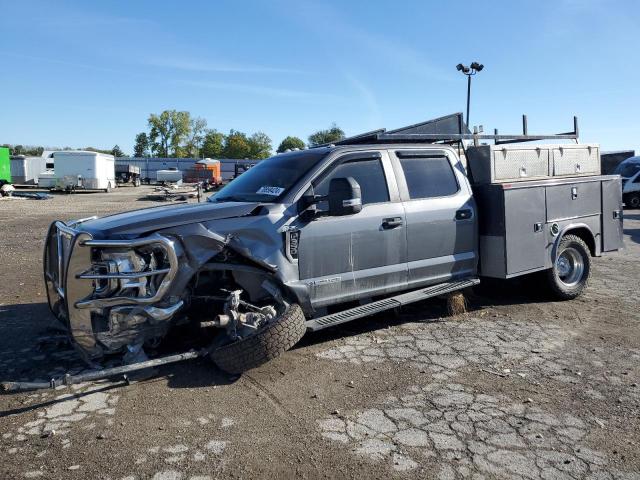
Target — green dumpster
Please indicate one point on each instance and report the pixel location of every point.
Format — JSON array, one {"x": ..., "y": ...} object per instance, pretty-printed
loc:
[{"x": 5, "y": 165}]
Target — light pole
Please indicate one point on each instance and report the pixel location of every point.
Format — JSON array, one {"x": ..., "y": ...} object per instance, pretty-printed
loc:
[{"x": 474, "y": 68}]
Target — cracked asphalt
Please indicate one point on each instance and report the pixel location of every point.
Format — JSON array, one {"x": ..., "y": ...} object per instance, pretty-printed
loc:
[{"x": 519, "y": 387}]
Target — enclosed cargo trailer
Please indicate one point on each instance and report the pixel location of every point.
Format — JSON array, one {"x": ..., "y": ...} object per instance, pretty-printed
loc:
[
  {"x": 84, "y": 170},
  {"x": 25, "y": 170},
  {"x": 206, "y": 170}
]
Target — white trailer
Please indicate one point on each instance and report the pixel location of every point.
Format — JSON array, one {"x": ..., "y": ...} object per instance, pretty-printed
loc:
[
  {"x": 47, "y": 179},
  {"x": 25, "y": 170},
  {"x": 84, "y": 170}
]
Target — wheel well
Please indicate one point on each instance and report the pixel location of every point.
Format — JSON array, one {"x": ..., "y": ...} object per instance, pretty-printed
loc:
[{"x": 586, "y": 236}]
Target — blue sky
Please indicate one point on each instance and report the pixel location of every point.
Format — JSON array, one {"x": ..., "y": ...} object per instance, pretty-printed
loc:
[{"x": 82, "y": 73}]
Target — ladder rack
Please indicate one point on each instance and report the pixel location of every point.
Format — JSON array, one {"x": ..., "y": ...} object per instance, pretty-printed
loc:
[{"x": 450, "y": 129}]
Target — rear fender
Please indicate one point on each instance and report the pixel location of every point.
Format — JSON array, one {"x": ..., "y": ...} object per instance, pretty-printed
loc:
[{"x": 581, "y": 230}]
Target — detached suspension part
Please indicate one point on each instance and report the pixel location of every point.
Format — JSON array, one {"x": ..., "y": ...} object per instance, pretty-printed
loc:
[{"x": 233, "y": 320}]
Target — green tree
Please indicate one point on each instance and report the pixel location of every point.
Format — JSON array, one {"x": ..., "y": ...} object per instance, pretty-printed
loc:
[
  {"x": 259, "y": 146},
  {"x": 213, "y": 144},
  {"x": 198, "y": 128},
  {"x": 91, "y": 149},
  {"x": 141, "y": 148},
  {"x": 168, "y": 131},
  {"x": 331, "y": 135},
  {"x": 290, "y": 143},
  {"x": 182, "y": 121},
  {"x": 236, "y": 145},
  {"x": 29, "y": 150},
  {"x": 117, "y": 152}
]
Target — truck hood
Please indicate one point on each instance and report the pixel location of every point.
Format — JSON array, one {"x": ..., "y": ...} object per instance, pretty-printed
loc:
[{"x": 137, "y": 222}]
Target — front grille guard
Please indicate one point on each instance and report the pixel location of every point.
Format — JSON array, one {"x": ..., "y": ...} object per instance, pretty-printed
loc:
[
  {"x": 69, "y": 275},
  {"x": 59, "y": 249}
]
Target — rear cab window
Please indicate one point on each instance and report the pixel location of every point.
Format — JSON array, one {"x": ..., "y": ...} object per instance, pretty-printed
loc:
[{"x": 428, "y": 176}]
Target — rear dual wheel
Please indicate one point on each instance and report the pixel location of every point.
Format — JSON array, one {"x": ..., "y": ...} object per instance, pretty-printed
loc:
[{"x": 571, "y": 271}]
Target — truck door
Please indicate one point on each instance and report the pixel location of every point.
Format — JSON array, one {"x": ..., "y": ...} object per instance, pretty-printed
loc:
[
  {"x": 356, "y": 256},
  {"x": 440, "y": 213}
]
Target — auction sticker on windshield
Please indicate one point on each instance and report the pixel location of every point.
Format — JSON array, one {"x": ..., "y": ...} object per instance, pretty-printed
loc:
[{"x": 275, "y": 191}]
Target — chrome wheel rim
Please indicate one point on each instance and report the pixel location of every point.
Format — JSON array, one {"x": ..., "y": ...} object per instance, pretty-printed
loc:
[{"x": 570, "y": 267}]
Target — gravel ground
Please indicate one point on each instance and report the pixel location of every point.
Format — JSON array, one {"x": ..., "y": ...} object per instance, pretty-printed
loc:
[{"x": 519, "y": 387}]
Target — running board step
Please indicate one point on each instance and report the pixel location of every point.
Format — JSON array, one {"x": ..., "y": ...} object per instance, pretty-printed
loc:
[{"x": 388, "y": 303}]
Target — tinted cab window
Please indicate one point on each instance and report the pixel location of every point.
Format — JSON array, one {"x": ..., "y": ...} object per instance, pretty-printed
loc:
[
  {"x": 428, "y": 177},
  {"x": 368, "y": 173}
]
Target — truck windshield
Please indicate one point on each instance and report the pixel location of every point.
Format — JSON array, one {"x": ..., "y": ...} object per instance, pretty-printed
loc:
[{"x": 270, "y": 179}]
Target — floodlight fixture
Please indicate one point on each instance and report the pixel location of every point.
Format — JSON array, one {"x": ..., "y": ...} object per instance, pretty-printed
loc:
[{"x": 473, "y": 69}]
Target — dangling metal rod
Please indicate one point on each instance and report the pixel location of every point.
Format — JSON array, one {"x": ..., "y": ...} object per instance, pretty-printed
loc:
[{"x": 68, "y": 380}]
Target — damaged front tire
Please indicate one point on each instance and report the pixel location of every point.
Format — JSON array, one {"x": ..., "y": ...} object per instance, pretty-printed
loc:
[{"x": 278, "y": 336}]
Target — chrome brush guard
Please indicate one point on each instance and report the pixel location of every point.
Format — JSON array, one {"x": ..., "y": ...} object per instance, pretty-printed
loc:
[{"x": 72, "y": 279}]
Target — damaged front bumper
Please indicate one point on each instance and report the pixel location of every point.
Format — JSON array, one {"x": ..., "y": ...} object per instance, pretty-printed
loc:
[{"x": 110, "y": 293}]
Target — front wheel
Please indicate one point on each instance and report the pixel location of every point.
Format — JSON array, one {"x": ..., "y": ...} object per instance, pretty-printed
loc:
[
  {"x": 570, "y": 273},
  {"x": 270, "y": 341}
]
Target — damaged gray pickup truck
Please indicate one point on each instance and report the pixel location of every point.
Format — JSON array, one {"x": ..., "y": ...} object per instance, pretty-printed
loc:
[{"x": 310, "y": 239}]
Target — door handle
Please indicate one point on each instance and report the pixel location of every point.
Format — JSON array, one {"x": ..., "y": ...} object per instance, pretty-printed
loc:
[
  {"x": 464, "y": 214},
  {"x": 394, "y": 222}
]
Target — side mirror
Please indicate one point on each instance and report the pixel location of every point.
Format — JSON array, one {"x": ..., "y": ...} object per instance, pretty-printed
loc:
[{"x": 345, "y": 197}]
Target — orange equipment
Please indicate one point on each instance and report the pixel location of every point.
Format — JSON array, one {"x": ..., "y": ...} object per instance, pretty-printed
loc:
[{"x": 206, "y": 169}]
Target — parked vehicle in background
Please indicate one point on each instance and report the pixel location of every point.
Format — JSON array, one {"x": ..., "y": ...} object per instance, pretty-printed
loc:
[
  {"x": 170, "y": 175},
  {"x": 240, "y": 168},
  {"x": 83, "y": 170},
  {"x": 5, "y": 167},
  {"x": 47, "y": 176},
  {"x": 207, "y": 172},
  {"x": 611, "y": 160},
  {"x": 26, "y": 170},
  {"x": 127, "y": 174},
  {"x": 629, "y": 170},
  {"x": 310, "y": 239},
  {"x": 47, "y": 179}
]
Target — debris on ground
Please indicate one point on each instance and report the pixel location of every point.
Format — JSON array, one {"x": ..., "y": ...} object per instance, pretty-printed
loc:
[
  {"x": 456, "y": 303},
  {"x": 174, "y": 192}
]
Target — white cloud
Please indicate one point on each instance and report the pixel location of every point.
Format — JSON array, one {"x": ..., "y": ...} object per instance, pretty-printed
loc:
[
  {"x": 258, "y": 90},
  {"x": 369, "y": 100},
  {"x": 193, "y": 65}
]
